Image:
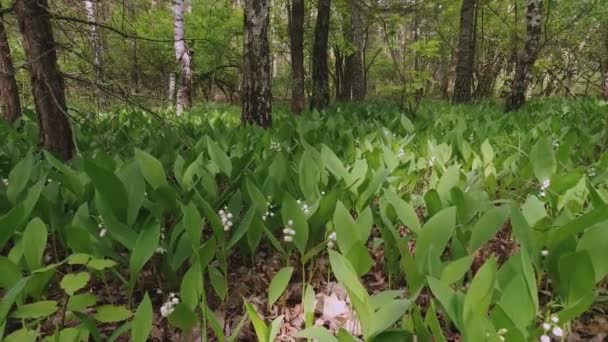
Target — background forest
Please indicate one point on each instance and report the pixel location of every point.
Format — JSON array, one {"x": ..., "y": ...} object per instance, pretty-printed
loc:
[{"x": 327, "y": 170}]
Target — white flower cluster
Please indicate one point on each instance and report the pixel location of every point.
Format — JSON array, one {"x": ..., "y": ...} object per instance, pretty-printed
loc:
[
  {"x": 432, "y": 161},
  {"x": 169, "y": 305},
  {"x": 275, "y": 146},
  {"x": 546, "y": 184},
  {"x": 103, "y": 231},
  {"x": 331, "y": 240},
  {"x": 304, "y": 206},
  {"x": 160, "y": 250},
  {"x": 471, "y": 137},
  {"x": 268, "y": 212},
  {"x": 401, "y": 153},
  {"x": 556, "y": 142},
  {"x": 544, "y": 252},
  {"x": 5, "y": 181},
  {"x": 288, "y": 232},
  {"x": 226, "y": 218},
  {"x": 591, "y": 172},
  {"x": 552, "y": 326}
]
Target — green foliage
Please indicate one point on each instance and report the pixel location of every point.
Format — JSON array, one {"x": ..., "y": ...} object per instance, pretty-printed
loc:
[{"x": 348, "y": 183}]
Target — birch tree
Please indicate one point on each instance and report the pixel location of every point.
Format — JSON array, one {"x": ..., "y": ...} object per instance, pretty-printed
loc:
[
  {"x": 183, "y": 55},
  {"x": 55, "y": 133},
  {"x": 257, "y": 73},
  {"x": 10, "y": 106},
  {"x": 91, "y": 10},
  {"x": 527, "y": 57}
]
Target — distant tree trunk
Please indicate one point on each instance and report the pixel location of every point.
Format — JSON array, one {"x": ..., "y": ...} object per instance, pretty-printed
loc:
[
  {"x": 48, "y": 87},
  {"x": 183, "y": 55},
  {"x": 256, "y": 86},
  {"x": 606, "y": 61},
  {"x": 355, "y": 61},
  {"x": 342, "y": 79},
  {"x": 320, "y": 78},
  {"x": 10, "y": 106},
  {"x": 91, "y": 9},
  {"x": 296, "y": 37},
  {"x": 526, "y": 59},
  {"x": 466, "y": 53}
]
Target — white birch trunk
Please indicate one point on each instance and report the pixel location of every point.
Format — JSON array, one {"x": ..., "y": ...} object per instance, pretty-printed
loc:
[
  {"x": 183, "y": 55},
  {"x": 171, "y": 93},
  {"x": 90, "y": 7}
]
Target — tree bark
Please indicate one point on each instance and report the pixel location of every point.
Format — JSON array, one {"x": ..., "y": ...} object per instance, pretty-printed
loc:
[
  {"x": 526, "y": 60},
  {"x": 320, "y": 78},
  {"x": 132, "y": 44},
  {"x": 91, "y": 9},
  {"x": 183, "y": 55},
  {"x": 48, "y": 87},
  {"x": 256, "y": 83},
  {"x": 466, "y": 53},
  {"x": 10, "y": 105},
  {"x": 355, "y": 61},
  {"x": 605, "y": 85},
  {"x": 296, "y": 37}
]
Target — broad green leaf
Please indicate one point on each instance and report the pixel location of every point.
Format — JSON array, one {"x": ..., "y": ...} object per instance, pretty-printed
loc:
[
  {"x": 144, "y": 248},
  {"x": 73, "y": 282},
  {"x": 142, "y": 321},
  {"x": 193, "y": 225},
  {"x": 34, "y": 237},
  {"x": 219, "y": 157},
  {"x": 405, "y": 212},
  {"x": 191, "y": 288},
  {"x": 316, "y": 333},
  {"x": 309, "y": 175},
  {"x": 594, "y": 242},
  {"x": 18, "y": 178},
  {"x": 183, "y": 318},
  {"x": 10, "y": 222},
  {"x": 436, "y": 232},
  {"x": 333, "y": 163},
  {"x": 70, "y": 178},
  {"x": 275, "y": 326},
  {"x": 479, "y": 294},
  {"x": 487, "y": 152},
  {"x": 36, "y": 310},
  {"x": 81, "y": 301},
  {"x": 111, "y": 314},
  {"x": 261, "y": 329},
  {"x": 10, "y": 273},
  {"x": 448, "y": 299},
  {"x": 10, "y": 297},
  {"x": 151, "y": 168},
  {"x": 448, "y": 180},
  {"x": 101, "y": 264},
  {"x": 542, "y": 158},
  {"x": 218, "y": 282},
  {"x": 22, "y": 335},
  {"x": 487, "y": 226},
  {"x": 456, "y": 270},
  {"x": 388, "y": 314},
  {"x": 256, "y": 196},
  {"x": 347, "y": 276},
  {"x": 110, "y": 189},
  {"x": 533, "y": 210},
  {"x": 279, "y": 284},
  {"x": 344, "y": 224}
]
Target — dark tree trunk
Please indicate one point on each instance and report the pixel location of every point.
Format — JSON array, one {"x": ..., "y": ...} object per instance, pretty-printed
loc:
[
  {"x": 320, "y": 77},
  {"x": 340, "y": 75},
  {"x": 296, "y": 37},
  {"x": 133, "y": 69},
  {"x": 257, "y": 95},
  {"x": 605, "y": 85},
  {"x": 466, "y": 53},
  {"x": 10, "y": 106},
  {"x": 48, "y": 87},
  {"x": 525, "y": 61},
  {"x": 355, "y": 61}
]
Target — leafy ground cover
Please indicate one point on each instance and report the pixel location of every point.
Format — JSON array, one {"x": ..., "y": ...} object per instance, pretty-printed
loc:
[{"x": 362, "y": 223}]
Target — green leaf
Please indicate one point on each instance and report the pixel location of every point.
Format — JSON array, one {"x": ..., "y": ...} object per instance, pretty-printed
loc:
[
  {"x": 333, "y": 163},
  {"x": 448, "y": 299},
  {"x": 388, "y": 314},
  {"x": 359, "y": 258},
  {"x": 218, "y": 282},
  {"x": 10, "y": 273},
  {"x": 456, "y": 270},
  {"x": 344, "y": 224},
  {"x": 101, "y": 264},
  {"x": 487, "y": 226},
  {"x": 18, "y": 178},
  {"x": 144, "y": 248},
  {"x": 191, "y": 288},
  {"x": 279, "y": 284},
  {"x": 81, "y": 301},
  {"x": 533, "y": 210},
  {"x": 193, "y": 225},
  {"x": 219, "y": 157},
  {"x": 21, "y": 335},
  {"x": 112, "y": 314},
  {"x": 347, "y": 276},
  {"x": 261, "y": 329},
  {"x": 151, "y": 168},
  {"x": 542, "y": 158},
  {"x": 487, "y": 152},
  {"x": 594, "y": 242},
  {"x": 275, "y": 325},
  {"x": 110, "y": 189},
  {"x": 36, "y": 310},
  {"x": 436, "y": 232},
  {"x": 73, "y": 282},
  {"x": 10, "y": 297},
  {"x": 257, "y": 198},
  {"x": 70, "y": 178},
  {"x": 405, "y": 212},
  {"x": 10, "y": 222},
  {"x": 450, "y": 179},
  {"x": 142, "y": 321},
  {"x": 182, "y": 317},
  {"x": 34, "y": 237},
  {"x": 316, "y": 333},
  {"x": 291, "y": 211},
  {"x": 479, "y": 294}
]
